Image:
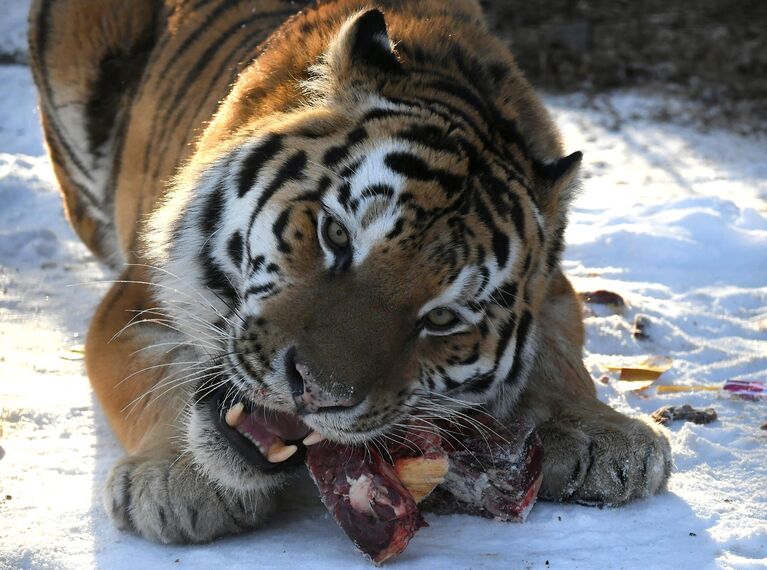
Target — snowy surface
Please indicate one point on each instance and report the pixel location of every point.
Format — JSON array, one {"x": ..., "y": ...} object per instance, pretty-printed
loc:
[
  {"x": 673, "y": 219},
  {"x": 13, "y": 28}
]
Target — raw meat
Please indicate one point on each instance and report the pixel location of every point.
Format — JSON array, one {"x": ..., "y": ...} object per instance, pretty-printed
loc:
[
  {"x": 481, "y": 468},
  {"x": 495, "y": 471},
  {"x": 365, "y": 497}
]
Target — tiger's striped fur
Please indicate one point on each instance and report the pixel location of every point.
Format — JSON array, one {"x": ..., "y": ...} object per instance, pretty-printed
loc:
[{"x": 210, "y": 143}]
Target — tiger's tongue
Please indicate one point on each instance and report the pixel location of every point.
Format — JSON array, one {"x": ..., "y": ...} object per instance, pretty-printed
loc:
[
  {"x": 265, "y": 426},
  {"x": 275, "y": 434}
]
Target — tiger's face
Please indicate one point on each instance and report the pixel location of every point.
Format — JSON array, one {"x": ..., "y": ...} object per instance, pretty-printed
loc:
[{"x": 345, "y": 269}]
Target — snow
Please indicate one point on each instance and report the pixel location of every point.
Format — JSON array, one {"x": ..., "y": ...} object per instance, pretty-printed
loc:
[
  {"x": 671, "y": 217},
  {"x": 13, "y": 28}
]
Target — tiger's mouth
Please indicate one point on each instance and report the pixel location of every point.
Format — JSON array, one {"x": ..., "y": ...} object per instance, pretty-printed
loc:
[{"x": 271, "y": 440}]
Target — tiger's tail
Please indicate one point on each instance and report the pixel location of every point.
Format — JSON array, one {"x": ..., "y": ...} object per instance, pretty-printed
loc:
[{"x": 87, "y": 59}]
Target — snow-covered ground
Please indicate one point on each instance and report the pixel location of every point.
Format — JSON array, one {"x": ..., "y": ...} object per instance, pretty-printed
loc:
[{"x": 672, "y": 218}]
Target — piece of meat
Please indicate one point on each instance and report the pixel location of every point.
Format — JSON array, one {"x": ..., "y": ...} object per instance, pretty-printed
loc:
[
  {"x": 602, "y": 297},
  {"x": 687, "y": 413},
  {"x": 479, "y": 468},
  {"x": 365, "y": 497},
  {"x": 495, "y": 471}
]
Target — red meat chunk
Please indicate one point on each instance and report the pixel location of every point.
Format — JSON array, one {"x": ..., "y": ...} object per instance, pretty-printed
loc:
[
  {"x": 365, "y": 497},
  {"x": 481, "y": 468}
]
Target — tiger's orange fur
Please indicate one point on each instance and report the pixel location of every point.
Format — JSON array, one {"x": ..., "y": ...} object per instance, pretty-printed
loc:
[{"x": 140, "y": 100}]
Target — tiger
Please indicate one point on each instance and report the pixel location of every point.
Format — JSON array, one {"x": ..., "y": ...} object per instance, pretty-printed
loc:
[{"x": 326, "y": 218}]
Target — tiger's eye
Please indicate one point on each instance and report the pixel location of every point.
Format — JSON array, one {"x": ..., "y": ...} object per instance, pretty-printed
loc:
[
  {"x": 441, "y": 318},
  {"x": 336, "y": 235}
]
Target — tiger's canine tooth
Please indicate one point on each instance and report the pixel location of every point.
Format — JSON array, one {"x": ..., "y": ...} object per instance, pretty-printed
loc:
[
  {"x": 235, "y": 414},
  {"x": 314, "y": 437},
  {"x": 279, "y": 452}
]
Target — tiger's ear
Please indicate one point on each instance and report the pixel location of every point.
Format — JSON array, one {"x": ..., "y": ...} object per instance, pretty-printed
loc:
[
  {"x": 555, "y": 182},
  {"x": 362, "y": 46}
]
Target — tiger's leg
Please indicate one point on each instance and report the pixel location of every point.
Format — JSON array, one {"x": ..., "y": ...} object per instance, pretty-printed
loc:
[
  {"x": 87, "y": 59},
  {"x": 592, "y": 453},
  {"x": 159, "y": 489}
]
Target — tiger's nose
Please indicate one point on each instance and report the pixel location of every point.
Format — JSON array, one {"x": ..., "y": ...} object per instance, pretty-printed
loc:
[{"x": 309, "y": 395}]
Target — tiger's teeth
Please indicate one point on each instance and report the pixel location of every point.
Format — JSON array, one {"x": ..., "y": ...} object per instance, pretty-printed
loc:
[
  {"x": 279, "y": 452},
  {"x": 314, "y": 437},
  {"x": 235, "y": 414},
  {"x": 252, "y": 440}
]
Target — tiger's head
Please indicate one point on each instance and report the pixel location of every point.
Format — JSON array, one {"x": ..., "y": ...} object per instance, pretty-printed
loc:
[{"x": 379, "y": 250}]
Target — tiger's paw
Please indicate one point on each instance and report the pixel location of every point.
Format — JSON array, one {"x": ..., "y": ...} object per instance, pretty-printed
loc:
[
  {"x": 169, "y": 501},
  {"x": 604, "y": 460}
]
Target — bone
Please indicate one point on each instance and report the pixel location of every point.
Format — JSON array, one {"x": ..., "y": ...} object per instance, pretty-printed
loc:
[
  {"x": 279, "y": 452},
  {"x": 235, "y": 414},
  {"x": 314, "y": 437}
]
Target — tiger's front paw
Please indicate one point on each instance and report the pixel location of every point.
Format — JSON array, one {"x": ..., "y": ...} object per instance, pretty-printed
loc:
[
  {"x": 169, "y": 501},
  {"x": 606, "y": 460}
]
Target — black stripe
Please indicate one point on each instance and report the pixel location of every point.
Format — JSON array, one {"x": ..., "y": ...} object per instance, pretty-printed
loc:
[
  {"x": 506, "y": 295},
  {"x": 255, "y": 161},
  {"x": 397, "y": 229},
  {"x": 455, "y": 89},
  {"x": 210, "y": 216},
  {"x": 209, "y": 223},
  {"x": 506, "y": 201},
  {"x": 344, "y": 194},
  {"x": 500, "y": 241},
  {"x": 238, "y": 57},
  {"x": 483, "y": 270},
  {"x": 279, "y": 229},
  {"x": 556, "y": 247},
  {"x": 215, "y": 278},
  {"x": 292, "y": 170},
  {"x": 373, "y": 191},
  {"x": 234, "y": 248},
  {"x": 205, "y": 26},
  {"x": 449, "y": 383},
  {"x": 522, "y": 333},
  {"x": 158, "y": 124},
  {"x": 507, "y": 331},
  {"x": 473, "y": 357},
  {"x": 259, "y": 289},
  {"x": 43, "y": 24},
  {"x": 501, "y": 248},
  {"x": 119, "y": 73},
  {"x": 256, "y": 263},
  {"x": 413, "y": 167},
  {"x": 450, "y": 114},
  {"x": 379, "y": 114},
  {"x": 336, "y": 154},
  {"x": 479, "y": 384},
  {"x": 527, "y": 264},
  {"x": 315, "y": 195},
  {"x": 430, "y": 137},
  {"x": 193, "y": 74}
]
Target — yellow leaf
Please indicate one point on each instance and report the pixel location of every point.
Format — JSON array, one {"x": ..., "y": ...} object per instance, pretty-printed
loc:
[
  {"x": 633, "y": 385},
  {"x": 642, "y": 375},
  {"x": 675, "y": 389}
]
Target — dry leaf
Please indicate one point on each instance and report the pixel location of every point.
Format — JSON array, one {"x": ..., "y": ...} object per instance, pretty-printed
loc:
[
  {"x": 642, "y": 375},
  {"x": 74, "y": 352},
  {"x": 676, "y": 389}
]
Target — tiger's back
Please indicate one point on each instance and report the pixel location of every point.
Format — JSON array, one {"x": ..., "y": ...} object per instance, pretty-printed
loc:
[{"x": 149, "y": 76}]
